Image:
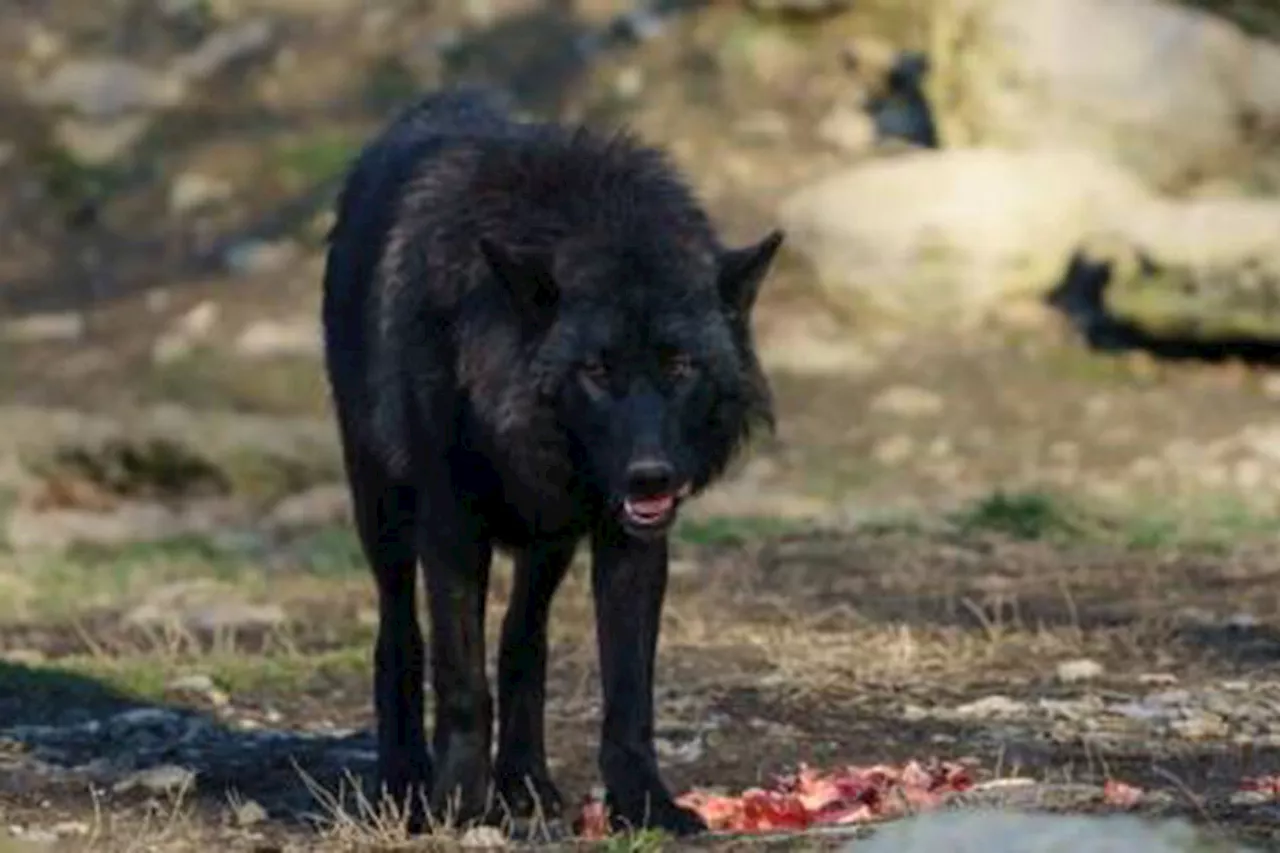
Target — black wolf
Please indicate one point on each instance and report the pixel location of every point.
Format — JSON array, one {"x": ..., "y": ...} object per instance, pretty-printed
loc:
[{"x": 533, "y": 336}]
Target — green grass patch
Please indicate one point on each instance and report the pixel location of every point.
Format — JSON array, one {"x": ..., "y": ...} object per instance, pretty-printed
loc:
[
  {"x": 209, "y": 378},
  {"x": 147, "y": 676},
  {"x": 1021, "y": 515},
  {"x": 95, "y": 577},
  {"x": 315, "y": 158},
  {"x": 733, "y": 530},
  {"x": 1213, "y": 525}
]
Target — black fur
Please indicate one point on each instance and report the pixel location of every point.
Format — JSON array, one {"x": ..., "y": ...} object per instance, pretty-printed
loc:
[{"x": 533, "y": 336}]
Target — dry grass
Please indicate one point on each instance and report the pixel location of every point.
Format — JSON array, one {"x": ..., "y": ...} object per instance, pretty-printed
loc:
[{"x": 802, "y": 633}]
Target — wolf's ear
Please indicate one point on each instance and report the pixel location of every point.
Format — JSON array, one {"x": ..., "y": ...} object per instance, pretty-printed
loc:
[
  {"x": 743, "y": 270},
  {"x": 526, "y": 274}
]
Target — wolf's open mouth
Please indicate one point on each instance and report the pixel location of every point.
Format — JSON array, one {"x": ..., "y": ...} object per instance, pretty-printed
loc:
[
  {"x": 652, "y": 512},
  {"x": 649, "y": 512}
]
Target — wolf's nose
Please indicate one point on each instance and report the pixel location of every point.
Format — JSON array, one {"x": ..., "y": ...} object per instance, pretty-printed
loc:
[{"x": 648, "y": 478}]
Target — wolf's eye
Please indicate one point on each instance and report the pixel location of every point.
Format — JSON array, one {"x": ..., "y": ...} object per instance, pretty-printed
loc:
[{"x": 680, "y": 367}]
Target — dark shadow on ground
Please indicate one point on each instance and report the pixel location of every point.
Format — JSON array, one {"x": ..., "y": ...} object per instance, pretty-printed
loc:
[{"x": 76, "y": 732}]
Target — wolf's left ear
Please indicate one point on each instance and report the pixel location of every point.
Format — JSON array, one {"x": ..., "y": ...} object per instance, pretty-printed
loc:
[
  {"x": 742, "y": 271},
  {"x": 526, "y": 274}
]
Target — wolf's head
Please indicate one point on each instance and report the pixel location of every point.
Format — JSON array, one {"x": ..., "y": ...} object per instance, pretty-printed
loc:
[{"x": 645, "y": 354}]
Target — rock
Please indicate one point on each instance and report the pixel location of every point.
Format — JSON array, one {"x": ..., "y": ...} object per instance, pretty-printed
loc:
[
  {"x": 1200, "y": 726},
  {"x": 192, "y": 684},
  {"x": 851, "y": 130},
  {"x": 316, "y": 507},
  {"x": 106, "y": 88},
  {"x": 249, "y": 813},
  {"x": 942, "y": 236},
  {"x": 1202, "y": 269},
  {"x": 1157, "y": 679},
  {"x": 1082, "y": 669},
  {"x": 1163, "y": 88},
  {"x": 236, "y": 43},
  {"x": 483, "y": 837},
  {"x": 97, "y": 142},
  {"x": 997, "y": 830},
  {"x": 192, "y": 191},
  {"x": 40, "y": 328},
  {"x": 260, "y": 256},
  {"x": 164, "y": 779},
  {"x": 267, "y": 338},
  {"x": 190, "y": 329},
  {"x": 70, "y": 829},
  {"x": 992, "y": 708}
]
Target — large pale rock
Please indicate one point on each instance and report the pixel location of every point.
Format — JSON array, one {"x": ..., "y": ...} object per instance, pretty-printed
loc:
[
  {"x": 1205, "y": 269},
  {"x": 1170, "y": 91},
  {"x": 1000, "y": 831},
  {"x": 935, "y": 235}
]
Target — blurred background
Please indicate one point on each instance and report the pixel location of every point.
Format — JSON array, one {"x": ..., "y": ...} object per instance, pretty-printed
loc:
[{"x": 1031, "y": 291}]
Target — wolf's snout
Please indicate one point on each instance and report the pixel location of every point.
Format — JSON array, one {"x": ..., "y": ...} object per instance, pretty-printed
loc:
[{"x": 648, "y": 478}]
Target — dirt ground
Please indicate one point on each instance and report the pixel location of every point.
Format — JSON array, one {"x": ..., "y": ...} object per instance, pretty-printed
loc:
[{"x": 985, "y": 544}]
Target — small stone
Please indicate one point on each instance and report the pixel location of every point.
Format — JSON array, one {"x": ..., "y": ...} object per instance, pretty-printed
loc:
[
  {"x": 249, "y": 813},
  {"x": 1082, "y": 669},
  {"x": 188, "y": 331},
  {"x": 913, "y": 713},
  {"x": 200, "y": 320},
  {"x": 629, "y": 84},
  {"x": 1157, "y": 679},
  {"x": 162, "y": 779},
  {"x": 1200, "y": 726},
  {"x": 259, "y": 256},
  {"x": 1242, "y": 621},
  {"x": 192, "y": 684},
  {"x": 1251, "y": 798},
  {"x": 993, "y": 707},
  {"x": 40, "y": 836},
  {"x": 673, "y": 752},
  {"x": 483, "y": 837},
  {"x": 70, "y": 828},
  {"x": 267, "y": 338},
  {"x": 97, "y": 142},
  {"x": 192, "y": 191},
  {"x": 234, "y": 44}
]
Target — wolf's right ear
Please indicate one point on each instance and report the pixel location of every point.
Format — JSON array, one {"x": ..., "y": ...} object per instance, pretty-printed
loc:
[
  {"x": 526, "y": 274},
  {"x": 742, "y": 271}
]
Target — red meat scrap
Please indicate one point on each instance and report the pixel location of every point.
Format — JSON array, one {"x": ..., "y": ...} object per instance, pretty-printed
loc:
[{"x": 809, "y": 797}]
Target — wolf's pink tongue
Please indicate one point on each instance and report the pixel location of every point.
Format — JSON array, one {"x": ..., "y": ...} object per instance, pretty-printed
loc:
[{"x": 652, "y": 506}]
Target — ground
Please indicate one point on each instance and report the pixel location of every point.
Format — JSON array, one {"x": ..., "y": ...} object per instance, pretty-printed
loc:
[{"x": 979, "y": 543}]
